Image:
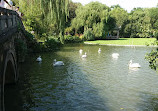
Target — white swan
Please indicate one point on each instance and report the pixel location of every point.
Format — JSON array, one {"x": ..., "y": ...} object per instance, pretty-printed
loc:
[
  {"x": 80, "y": 51},
  {"x": 99, "y": 50},
  {"x": 85, "y": 55},
  {"x": 39, "y": 59},
  {"x": 133, "y": 65},
  {"x": 58, "y": 63},
  {"x": 115, "y": 55}
]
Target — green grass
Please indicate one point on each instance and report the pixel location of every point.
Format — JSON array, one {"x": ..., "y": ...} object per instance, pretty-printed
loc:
[{"x": 124, "y": 41}]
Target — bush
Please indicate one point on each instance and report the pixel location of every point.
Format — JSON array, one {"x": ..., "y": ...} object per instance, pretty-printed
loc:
[
  {"x": 32, "y": 44},
  {"x": 28, "y": 35},
  {"x": 21, "y": 49},
  {"x": 72, "y": 39},
  {"x": 152, "y": 57},
  {"x": 156, "y": 35},
  {"x": 51, "y": 43},
  {"x": 69, "y": 30},
  {"x": 88, "y": 35}
]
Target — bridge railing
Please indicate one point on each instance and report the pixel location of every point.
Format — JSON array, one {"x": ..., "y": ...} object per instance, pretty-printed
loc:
[{"x": 9, "y": 22}]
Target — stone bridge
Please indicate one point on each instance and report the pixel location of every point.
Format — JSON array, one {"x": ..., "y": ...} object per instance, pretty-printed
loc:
[{"x": 11, "y": 29}]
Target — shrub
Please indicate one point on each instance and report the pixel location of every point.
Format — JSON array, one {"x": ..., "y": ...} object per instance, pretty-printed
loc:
[
  {"x": 21, "y": 49},
  {"x": 32, "y": 44},
  {"x": 69, "y": 30},
  {"x": 88, "y": 35},
  {"x": 81, "y": 36},
  {"x": 72, "y": 39},
  {"x": 51, "y": 43},
  {"x": 156, "y": 35},
  {"x": 152, "y": 57}
]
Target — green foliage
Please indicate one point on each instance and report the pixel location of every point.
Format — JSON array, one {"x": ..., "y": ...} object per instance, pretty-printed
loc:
[
  {"x": 99, "y": 31},
  {"x": 134, "y": 27},
  {"x": 88, "y": 35},
  {"x": 115, "y": 6},
  {"x": 51, "y": 17},
  {"x": 152, "y": 57},
  {"x": 44, "y": 16},
  {"x": 21, "y": 49},
  {"x": 72, "y": 39},
  {"x": 29, "y": 36},
  {"x": 120, "y": 15},
  {"x": 51, "y": 43},
  {"x": 32, "y": 44},
  {"x": 153, "y": 14},
  {"x": 93, "y": 15},
  {"x": 38, "y": 47},
  {"x": 142, "y": 23},
  {"x": 72, "y": 8},
  {"x": 69, "y": 31},
  {"x": 156, "y": 35}
]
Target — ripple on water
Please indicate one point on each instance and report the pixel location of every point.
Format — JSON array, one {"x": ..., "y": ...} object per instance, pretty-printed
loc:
[{"x": 95, "y": 83}]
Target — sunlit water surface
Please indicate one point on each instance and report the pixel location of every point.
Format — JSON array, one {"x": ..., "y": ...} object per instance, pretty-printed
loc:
[{"x": 95, "y": 83}]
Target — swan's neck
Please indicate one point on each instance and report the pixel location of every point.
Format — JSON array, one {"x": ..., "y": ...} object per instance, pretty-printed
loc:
[
  {"x": 54, "y": 61},
  {"x": 130, "y": 63}
]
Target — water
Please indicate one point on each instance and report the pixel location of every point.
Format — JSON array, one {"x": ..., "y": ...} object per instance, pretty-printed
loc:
[{"x": 95, "y": 83}]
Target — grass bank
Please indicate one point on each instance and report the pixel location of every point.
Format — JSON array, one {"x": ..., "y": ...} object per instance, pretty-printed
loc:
[{"x": 124, "y": 41}]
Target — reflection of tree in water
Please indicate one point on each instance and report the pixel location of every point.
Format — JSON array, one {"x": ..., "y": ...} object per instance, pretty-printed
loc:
[
  {"x": 17, "y": 95},
  {"x": 149, "y": 102},
  {"x": 154, "y": 104},
  {"x": 73, "y": 91}
]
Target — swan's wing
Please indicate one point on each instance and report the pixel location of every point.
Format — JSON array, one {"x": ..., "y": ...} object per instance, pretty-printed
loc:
[
  {"x": 84, "y": 56},
  {"x": 135, "y": 65},
  {"x": 59, "y": 63},
  {"x": 38, "y": 59}
]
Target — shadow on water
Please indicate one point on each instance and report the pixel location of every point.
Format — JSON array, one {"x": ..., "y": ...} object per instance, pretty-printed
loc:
[
  {"x": 95, "y": 83},
  {"x": 46, "y": 88},
  {"x": 16, "y": 95}
]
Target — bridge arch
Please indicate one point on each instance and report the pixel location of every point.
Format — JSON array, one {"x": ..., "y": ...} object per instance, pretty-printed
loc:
[
  {"x": 11, "y": 27},
  {"x": 10, "y": 68},
  {"x": 9, "y": 73}
]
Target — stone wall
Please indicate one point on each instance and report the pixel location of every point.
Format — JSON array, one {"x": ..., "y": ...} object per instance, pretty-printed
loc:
[{"x": 10, "y": 22}]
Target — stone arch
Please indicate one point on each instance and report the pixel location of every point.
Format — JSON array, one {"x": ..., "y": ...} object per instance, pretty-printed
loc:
[
  {"x": 10, "y": 68},
  {"x": 9, "y": 73}
]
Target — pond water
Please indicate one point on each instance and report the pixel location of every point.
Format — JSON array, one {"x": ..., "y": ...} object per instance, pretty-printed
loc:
[{"x": 95, "y": 83}]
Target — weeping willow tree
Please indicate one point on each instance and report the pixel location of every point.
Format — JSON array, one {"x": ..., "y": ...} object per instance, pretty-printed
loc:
[
  {"x": 43, "y": 15},
  {"x": 60, "y": 9}
]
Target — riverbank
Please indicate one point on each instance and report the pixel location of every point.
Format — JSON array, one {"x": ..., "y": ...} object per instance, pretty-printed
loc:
[{"x": 125, "y": 42}]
